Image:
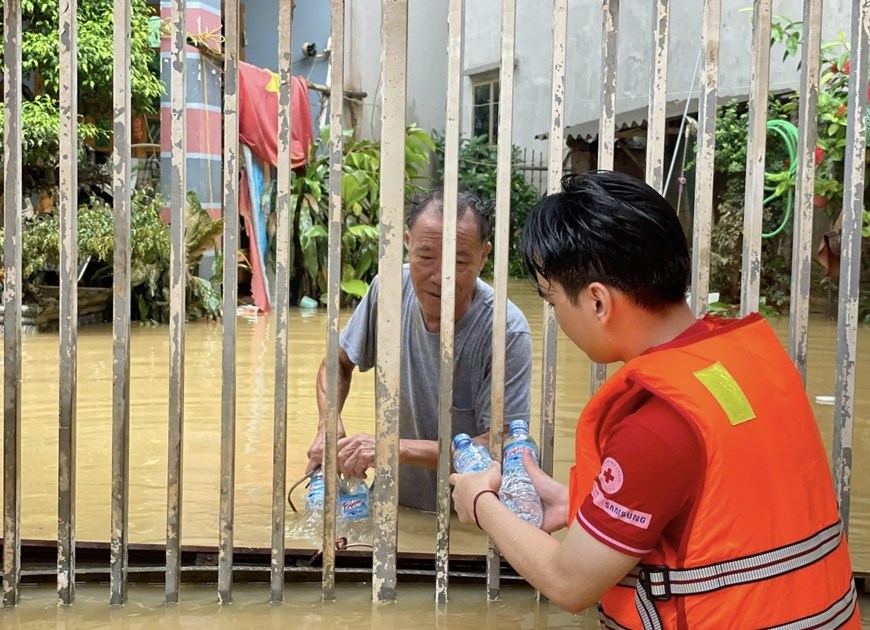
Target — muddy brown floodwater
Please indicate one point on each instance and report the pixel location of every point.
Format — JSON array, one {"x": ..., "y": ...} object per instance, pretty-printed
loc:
[{"x": 255, "y": 364}]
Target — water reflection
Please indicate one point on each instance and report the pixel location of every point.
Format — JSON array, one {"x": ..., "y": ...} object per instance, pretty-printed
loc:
[{"x": 255, "y": 364}]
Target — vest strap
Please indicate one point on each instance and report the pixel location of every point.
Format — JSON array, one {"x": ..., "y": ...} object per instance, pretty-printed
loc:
[
  {"x": 660, "y": 583},
  {"x": 832, "y": 617}
]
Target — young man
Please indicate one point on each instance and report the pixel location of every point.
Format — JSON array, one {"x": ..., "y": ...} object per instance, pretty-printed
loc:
[
  {"x": 421, "y": 350},
  {"x": 701, "y": 494}
]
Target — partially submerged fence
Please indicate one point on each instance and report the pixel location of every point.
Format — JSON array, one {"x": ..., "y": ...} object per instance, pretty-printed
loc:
[{"x": 394, "y": 56}]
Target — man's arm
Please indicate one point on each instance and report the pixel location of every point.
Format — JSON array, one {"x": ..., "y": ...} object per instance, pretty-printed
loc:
[
  {"x": 574, "y": 573},
  {"x": 345, "y": 374}
]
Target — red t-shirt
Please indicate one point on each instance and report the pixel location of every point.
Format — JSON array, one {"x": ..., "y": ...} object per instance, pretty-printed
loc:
[{"x": 652, "y": 466}]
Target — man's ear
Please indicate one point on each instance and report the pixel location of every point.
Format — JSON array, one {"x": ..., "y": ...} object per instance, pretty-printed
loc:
[
  {"x": 486, "y": 251},
  {"x": 407, "y": 238}
]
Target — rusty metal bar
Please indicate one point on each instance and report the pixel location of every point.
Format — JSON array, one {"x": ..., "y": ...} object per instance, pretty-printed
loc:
[
  {"x": 282, "y": 295},
  {"x": 230, "y": 245},
  {"x": 658, "y": 94},
  {"x": 448, "y": 291},
  {"x": 394, "y": 40},
  {"x": 554, "y": 185},
  {"x": 121, "y": 301},
  {"x": 759, "y": 78},
  {"x": 703, "y": 222},
  {"x": 504, "y": 164},
  {"x": 12, "y": 303},
  {"x": 177, "y": 318},
  {"x": 68, "y": 272},
  {"x": 336, "y": 158},
  {"x": 607, "y": 122},
  {"x": 802, "y": 254},
  {"x": 850, "y": 257}
]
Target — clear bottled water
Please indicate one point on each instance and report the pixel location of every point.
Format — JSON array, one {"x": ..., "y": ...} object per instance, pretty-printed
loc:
[
  {"x": 315, "y": 497},
  {"x": 517, "y": 491},
  {"x": 468, "y": 455},
  {"x": 354, "y": 511}
]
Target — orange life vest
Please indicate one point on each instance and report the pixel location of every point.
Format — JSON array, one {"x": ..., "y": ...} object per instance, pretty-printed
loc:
[{"x": 764, "y": 546}]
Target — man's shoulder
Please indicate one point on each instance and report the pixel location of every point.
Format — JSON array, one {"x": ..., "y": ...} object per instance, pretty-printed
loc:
[{"x": 516, "y": 319}]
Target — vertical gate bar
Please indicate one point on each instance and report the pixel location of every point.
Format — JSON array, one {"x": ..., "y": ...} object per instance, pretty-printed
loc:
[
  {"x": 554, "y": 185},
  {"x": 178, "y": 191},
  {"x": 801, "y": 261},
  {"x": 282, "y": 297},
  {"x": 448, "y": 291},
  {"x": 850, "y": 257},
  {"x": 703, "y": 222},
  {"x": 66, "y": 444},
  {"x": 121, "y": 201},
  {"x": 658, "y": 94},
  {"x": 759, "y": 78},
  {"x": 607, "y": 123},
  {"x": 504, "y": 166},
  {"x": 336, "y": 157},
  {"x": 394, "y": 40},
  {"x": 12, "y": 303},
  {"x": 230, "y": 245}
]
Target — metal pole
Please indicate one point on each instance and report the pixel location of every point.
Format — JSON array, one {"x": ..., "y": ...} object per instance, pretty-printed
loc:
[
  {"x": 282, "y": 295},
  {"x": 448, "y": 291},
  {"x": 755, "y": 153},
  {"x": 850, "y": 257},
  {"x": 703, "y": 221},
  {"x": 336, "y": 158},
  {"x": 12, "y": 302},
  {"x": 386, "y": 489},
  {"x": 230, "y": 244},
  {"x": 178, "y": 194},
  {"x": 504, "y": 166},
  {"x": 658, "y": 94},
  {"x": 68, "y": 145},
  {"x": 122, "y": 207},
  {"x": 801, "y": 261},
  {"x": 607, "y": 124}
]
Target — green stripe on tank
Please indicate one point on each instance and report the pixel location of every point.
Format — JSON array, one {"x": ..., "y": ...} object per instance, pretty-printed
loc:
[{"x": 719, "y": 382}]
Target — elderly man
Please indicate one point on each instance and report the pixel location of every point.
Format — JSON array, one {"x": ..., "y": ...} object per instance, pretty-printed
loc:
[{"x": 420, "y": 359}]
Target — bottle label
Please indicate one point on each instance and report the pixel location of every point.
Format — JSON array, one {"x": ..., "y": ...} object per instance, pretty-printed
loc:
[
  {"x": 354, "y": 507},
  {"x": 513, "y": 453},
  {"x": 470, "y": 460}
]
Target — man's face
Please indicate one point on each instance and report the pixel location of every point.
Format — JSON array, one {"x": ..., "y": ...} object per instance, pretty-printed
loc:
[{"x": 424, "y": 256}]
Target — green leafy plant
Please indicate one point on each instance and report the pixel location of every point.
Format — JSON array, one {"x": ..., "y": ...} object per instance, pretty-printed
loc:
[
  {"x": 40, "y": 59},
  {"x": 360, "y": 185},
  {"x": 477, "y": 173}
]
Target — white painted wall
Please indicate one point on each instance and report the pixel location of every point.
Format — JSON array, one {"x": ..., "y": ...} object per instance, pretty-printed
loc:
[
  {"x": 427, "y": 64},
  {"x": 534, "y": 42}
]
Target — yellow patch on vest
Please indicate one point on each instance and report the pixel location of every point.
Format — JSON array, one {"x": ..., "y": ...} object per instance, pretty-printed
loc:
[{"x": 719, "y": 382}]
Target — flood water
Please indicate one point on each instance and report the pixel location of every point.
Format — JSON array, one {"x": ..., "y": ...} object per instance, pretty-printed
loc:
[{"x": 255, "y": 365}]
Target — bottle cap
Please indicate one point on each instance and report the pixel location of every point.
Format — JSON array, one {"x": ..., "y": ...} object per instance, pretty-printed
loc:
[
  {"x": 461, "y": 440},
  {"x": 518, "y": 426}
]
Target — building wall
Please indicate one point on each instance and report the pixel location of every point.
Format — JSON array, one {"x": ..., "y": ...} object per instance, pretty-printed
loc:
[
  {"x": 534, "y": 57},
  {"x": 426, "y": 70}
]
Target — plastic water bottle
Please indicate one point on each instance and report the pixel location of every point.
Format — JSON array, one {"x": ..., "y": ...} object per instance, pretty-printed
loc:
[
  {"x": 517, "y": 491},
  {"x": 468, "y": 455},
  {"x": 315, "y": 499},
  {"x": 354, "y": 511}
]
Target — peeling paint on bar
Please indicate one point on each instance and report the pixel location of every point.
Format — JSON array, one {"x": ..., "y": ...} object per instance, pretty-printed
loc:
[
  {"x": 12, "y": 154},
  {"x": 607, "y": 124},
  {"x": 850, "y": 257},
  {"x": 68, "y": 324},
  {"x": 387, "y": 376},
  {"x": 801, "y": 261},
  {"x": 502, "y": 237},
  {"x": 336, "y": 157},
  {"x": 658, "y": 93},
  {"x": 178, "y": 191},
  {"x": 448, "y": 292},
  {"x": 703, "y": 221},
  {"x": 759, "y": 80},
  {"x": 282, "y": 298}
]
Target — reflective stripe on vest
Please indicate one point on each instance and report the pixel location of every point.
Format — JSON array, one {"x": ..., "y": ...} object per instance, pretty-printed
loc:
[{"x": 654, "y": 583}]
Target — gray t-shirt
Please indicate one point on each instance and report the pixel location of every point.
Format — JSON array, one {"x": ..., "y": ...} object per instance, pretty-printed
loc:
[{"x": 420, "y": 366}]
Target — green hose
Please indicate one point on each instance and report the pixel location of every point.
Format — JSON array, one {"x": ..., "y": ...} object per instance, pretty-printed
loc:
[{"x": 789, "y": 134}]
